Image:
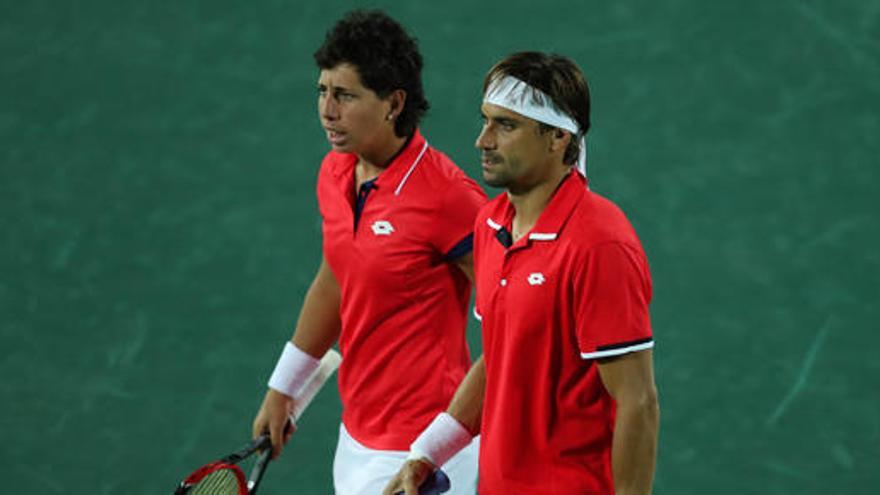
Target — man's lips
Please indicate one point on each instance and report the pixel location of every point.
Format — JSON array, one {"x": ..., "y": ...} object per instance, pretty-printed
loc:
[
  {"x": 335, "y": 136},
  {"x": 489, "y": 161}
]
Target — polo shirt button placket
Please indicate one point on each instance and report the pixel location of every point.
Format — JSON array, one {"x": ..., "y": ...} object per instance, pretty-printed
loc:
[
  {"x": 501, "y": 293},
  {"x": 505, "y": 272}
]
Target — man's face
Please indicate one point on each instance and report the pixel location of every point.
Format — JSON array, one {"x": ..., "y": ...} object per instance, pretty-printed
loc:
[
  {"x": 513, "y": 150},
  {"x": 352, "y": 115}
]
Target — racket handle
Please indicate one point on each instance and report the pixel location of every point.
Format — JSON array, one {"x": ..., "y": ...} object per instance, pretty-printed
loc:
[
  {"x": 259, "y": 469},
  {"x": 436, "y": 484}
]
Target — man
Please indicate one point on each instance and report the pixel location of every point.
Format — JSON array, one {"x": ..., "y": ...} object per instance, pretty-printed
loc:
[
  {"x": 394, "y": 282},
  {"x": 564, "y": 396}
]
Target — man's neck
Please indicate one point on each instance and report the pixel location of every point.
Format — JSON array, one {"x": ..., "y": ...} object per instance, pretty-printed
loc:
[{"x": 529, "y": 204}]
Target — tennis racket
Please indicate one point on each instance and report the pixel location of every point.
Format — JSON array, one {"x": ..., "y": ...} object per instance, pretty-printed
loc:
[{"x": 225, "y": 477}]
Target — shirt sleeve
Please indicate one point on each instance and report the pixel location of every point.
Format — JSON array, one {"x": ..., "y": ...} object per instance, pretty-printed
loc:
[
  {"x": 612, "y": 293},
  {"x": 322, "y": 185},
  {"x": 452, "y": 233}
]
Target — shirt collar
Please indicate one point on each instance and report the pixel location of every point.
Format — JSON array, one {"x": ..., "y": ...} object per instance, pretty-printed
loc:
[
  {"x": 568, "y": 194},
  {"x": 398, "y": 172}
]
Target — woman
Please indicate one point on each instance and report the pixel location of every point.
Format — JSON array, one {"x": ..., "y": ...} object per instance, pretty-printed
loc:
[{"x": 394, "y": 282}]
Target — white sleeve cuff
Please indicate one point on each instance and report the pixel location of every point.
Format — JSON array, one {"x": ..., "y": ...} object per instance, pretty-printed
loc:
[{"x": 293, "y": 369}]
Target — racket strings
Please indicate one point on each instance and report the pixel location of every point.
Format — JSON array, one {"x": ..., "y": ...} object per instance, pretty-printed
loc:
[{"x": 221, "y": 482}]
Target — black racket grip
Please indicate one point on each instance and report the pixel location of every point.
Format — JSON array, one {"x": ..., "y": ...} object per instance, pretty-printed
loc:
[
  {"x": 256, "y": 475},
  {"x": 436, "y": 484},
  {"x": 265, "y": 445}
]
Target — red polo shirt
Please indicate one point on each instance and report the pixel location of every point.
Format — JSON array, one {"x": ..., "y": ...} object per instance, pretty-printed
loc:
[
  {"x": 576, "y": 288},
  {"x": 403, "y": 305}
]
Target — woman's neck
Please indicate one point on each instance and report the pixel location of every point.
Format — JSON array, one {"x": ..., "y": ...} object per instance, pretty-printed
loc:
[{"x": 373, "y": 162}]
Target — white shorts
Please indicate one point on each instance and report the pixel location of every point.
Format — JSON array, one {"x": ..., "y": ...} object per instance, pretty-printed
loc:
[{"x": 359, "y": 470}]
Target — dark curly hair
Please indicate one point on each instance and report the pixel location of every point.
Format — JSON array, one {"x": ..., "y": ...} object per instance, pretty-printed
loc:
[
  {"x": 386, "y": 57},
  {"x": 558, "y": 77}
]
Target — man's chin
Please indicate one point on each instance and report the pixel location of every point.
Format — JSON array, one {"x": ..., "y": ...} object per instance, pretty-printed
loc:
[{"x": 494, "y": 180}]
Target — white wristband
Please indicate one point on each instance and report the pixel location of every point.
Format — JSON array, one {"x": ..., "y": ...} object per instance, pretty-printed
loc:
[
  {"x": 293, "y": 369},
  {"x": 441, "y": 440}
]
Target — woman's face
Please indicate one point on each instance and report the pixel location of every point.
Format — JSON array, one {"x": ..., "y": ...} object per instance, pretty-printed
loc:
[{"x": 355, "y": 119}]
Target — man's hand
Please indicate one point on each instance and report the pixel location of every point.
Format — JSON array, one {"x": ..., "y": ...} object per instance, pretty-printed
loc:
[
  {"x": 410, "y": 477},
  {"x": 274, "y": 416}
]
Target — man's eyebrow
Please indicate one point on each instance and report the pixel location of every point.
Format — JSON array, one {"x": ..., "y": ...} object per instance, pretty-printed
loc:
[
  {"x": 501, "y": 119},
  {"x": 336, "y": 89}
]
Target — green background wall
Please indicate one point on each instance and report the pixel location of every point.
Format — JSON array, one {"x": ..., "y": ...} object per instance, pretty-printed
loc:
[{"x": 158, "y": 226}]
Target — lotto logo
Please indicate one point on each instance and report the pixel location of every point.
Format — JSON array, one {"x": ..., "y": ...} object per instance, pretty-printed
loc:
[
  {"x": 536, "y": 278},
  {"x": 382, "y": 227}
]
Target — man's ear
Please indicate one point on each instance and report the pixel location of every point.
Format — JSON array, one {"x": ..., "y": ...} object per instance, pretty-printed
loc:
[{"x": 560, "y": 139}]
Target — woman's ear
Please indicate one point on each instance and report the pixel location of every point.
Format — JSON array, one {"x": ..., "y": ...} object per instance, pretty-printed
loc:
[{"x": 396, "y": 102}]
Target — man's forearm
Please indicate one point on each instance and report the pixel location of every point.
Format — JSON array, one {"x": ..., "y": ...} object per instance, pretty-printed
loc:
[
  {"x": 634, "y": 451},
  {"x": 467, "y": 403}
]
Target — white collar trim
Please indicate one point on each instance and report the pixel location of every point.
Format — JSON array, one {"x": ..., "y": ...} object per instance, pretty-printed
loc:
[
  {"x": 542, "y": 236},
  {"x": 411, "y": 168}
]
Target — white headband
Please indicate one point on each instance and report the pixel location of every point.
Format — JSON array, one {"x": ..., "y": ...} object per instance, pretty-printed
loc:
[{"x": 517, "y": 96}]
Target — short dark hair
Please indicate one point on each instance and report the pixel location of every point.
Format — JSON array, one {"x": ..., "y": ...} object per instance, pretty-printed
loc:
[
  {"x": 558, "y": 77},
  {"x": 386, "y": 57}
]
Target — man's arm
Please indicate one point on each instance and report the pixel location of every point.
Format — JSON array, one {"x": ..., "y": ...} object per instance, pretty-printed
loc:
[
  {"x": 630, "y": 381},
  {"x": 466, "y": 408},
  {"x": 467, "y": 403},
  {"x": 316, "y": 330}
]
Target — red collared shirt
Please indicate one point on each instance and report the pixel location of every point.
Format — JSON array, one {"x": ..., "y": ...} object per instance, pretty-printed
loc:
[
  {"x": 574, "y": 289},
  {"x": 403, "y": 306}
]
